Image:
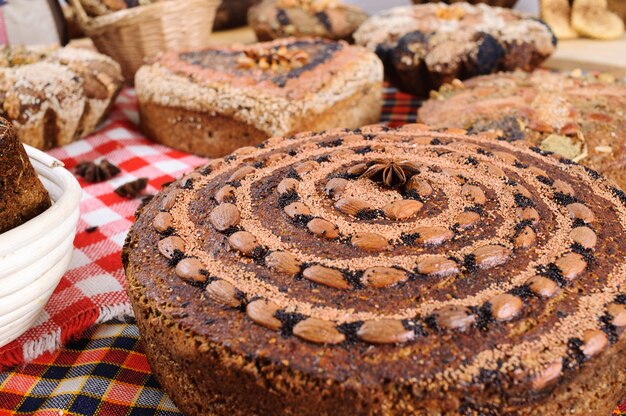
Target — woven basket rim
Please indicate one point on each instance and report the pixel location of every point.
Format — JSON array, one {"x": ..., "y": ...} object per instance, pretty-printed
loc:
[{"x": 94, "y": 25}]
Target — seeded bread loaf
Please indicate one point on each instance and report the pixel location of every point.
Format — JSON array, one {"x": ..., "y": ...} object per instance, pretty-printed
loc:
[
  {"x": 424, "y": 46},
  {"x": 22, "y": 195},
  {"x": 332, "y": 19},
  {"x": 578, "y": 116},
  {"x": 213, "y": 101},
  {"x": 384, "y": 272},
  {"x": 55, "y": 96}
]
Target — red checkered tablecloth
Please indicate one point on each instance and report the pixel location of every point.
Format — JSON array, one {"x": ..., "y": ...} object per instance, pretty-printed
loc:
[{"x": 105, "y": 372}]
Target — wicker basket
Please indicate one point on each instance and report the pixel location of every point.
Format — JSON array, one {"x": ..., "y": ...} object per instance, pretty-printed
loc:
[
  {"x": 35, "y": 255},
  {"x": 498, "y": 3},
  {"x": 130, "y": 36}
]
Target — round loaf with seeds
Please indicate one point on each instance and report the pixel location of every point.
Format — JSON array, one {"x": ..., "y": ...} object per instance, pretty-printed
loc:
[
  {"x": 578, "y": 116},
  {"x": 384, "y": 271},
  {"x": 424, "y": 46},
  {"x": 54, "y": 96}
]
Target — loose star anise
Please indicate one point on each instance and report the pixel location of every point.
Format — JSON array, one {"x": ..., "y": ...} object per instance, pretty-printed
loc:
[
  {"x": 131, "y": 189},
  {"x": 97, "y": 172},
  {"x": 390, "y": 172}
]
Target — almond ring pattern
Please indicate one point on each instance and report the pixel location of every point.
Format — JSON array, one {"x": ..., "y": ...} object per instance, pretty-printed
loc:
[{"x": 540, "y": 213}]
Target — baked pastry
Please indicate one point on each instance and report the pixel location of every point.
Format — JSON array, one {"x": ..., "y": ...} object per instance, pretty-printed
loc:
[
  {"x": 55, "y": 96},
  {"x": 557, "y": 14},
  {"x": 232, "y": 13},
  {"x": 213, "y": 101},
  {"x": 618, "y": 7},
  {"x": 581, "y": 117},
  {"x": 425, "y": 46},
  {"x": 22, "y": 195},
  {"x": 332, "y": 19},
  {"x": 384, "y": 272},
  {"x": 497, "y": 3},
  {"x": 591, "y": 18}
]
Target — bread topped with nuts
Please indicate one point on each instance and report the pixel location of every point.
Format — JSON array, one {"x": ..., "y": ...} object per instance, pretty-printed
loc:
[
  {"x": 332, "y": 19},
  {"x": 384, "y": 272},
  {"x": 426, "y": 45},
  {"x": 212, "y": 101},
  {"x": 22, "y": 195},
  {"x": 578, "y": 116},
  {"x": 54, "y": 96}
]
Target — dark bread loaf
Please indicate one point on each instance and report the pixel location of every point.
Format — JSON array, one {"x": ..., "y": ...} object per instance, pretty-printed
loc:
[
  {"x": 426, "y": 45},
  {"x": 22, "y": 195},
  {"x": 384, "y": 272}
]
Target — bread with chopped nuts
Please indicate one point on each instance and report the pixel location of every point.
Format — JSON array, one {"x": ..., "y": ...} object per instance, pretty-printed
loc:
[
  {"x": 210, "y": 102},
  {"x": 55, "y": 96},
  {"x": 384, "y": 272},
  {"x": 578, "y": 116},
  {"x": 332, "y": 19},
  {"x": 22, "y": 195},
  {"x": 424, "y": 46}
]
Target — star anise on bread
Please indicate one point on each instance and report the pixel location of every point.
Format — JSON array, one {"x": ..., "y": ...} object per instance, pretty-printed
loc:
[{"x": 390, "y": 172}]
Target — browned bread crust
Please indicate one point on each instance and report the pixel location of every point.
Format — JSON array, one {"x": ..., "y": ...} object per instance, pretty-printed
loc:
[
  {"x": 273, "y": 19},
  {"x": 232, "y": 13},
  {"x": 424, "y": 46},
  {"x": 581, "y": 117},
  {"x": 22, "y": 195},
  {"x": 384, "y": 272},
  {"x": 214, "y": 101},
  {"x": 55, "y": 96},
  {"x": 496, "y": 3}
]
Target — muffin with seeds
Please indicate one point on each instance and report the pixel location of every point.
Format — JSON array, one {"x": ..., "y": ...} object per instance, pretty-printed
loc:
[{"x": 384, "y": 272}]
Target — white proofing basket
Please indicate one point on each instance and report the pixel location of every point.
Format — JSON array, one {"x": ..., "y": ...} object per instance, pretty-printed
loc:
[{"x": 35, "y": 255}]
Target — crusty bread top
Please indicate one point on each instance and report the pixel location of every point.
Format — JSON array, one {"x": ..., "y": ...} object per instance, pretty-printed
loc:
[
  {"x": 224, "y": 80},
  {"x": 22, "y": 195},
  {"x": 433, "y": 259}
]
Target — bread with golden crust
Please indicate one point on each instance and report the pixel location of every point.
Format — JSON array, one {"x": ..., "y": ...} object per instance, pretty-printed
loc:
[
  {"x": 54, "y": 96},
  {"x": 213, "y": 101}
]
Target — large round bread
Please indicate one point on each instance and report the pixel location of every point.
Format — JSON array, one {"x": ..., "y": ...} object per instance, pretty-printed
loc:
[
  {"x": 22, "y": 195},
  {"x": 55, "y": 96},
  {"x": 384, "y": 272},
  {"x": 578, "y": 116}
]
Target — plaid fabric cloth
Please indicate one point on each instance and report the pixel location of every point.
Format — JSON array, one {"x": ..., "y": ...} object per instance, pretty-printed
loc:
[{"x": 106, "y": 373}]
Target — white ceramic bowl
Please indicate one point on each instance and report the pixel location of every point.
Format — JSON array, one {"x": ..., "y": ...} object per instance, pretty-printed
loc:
[{"x": 35, "y": 255}]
